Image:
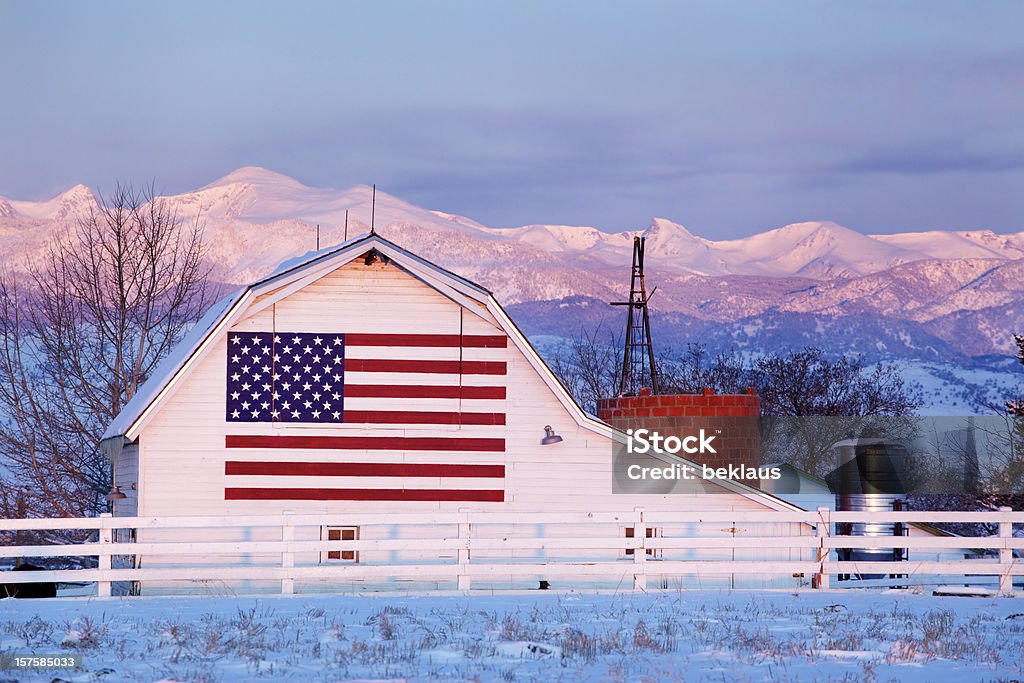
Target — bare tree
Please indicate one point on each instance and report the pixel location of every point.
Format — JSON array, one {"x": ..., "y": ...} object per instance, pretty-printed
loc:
[
  {"x": 591, "y": 366},
  {"x": 82, "y": 330},
  {"x": 696, "y": 369},
  {"x": 814, "y": 401},
  {"x": 807, "y": 382},
  {"x": 1002, "y": 481},
  {"x": 1001, "y": 470}
]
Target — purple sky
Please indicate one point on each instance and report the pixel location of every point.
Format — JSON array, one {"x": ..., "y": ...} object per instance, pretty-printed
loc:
[{"x": 730, "y": 118}]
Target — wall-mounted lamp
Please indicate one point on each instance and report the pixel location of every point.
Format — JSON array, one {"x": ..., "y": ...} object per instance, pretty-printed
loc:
[
  {"x": 116, "y": 494},
  {"x": 374, "y": 256},
  {"x": 549, "y": 436}
]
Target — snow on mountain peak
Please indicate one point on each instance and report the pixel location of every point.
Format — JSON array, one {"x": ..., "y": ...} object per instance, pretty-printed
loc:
[
  {"x": 813, "y": 232},
  {"x": 255, "y": 175},
  {"x": 76, "y": 193},
  {"x": 663, "y": 228},
  {"x": 675, "y": 245},
  {"x": 966, "y": 244},
  {"x": 75, "y": 201},
  {"x": 255, "y": 205}
]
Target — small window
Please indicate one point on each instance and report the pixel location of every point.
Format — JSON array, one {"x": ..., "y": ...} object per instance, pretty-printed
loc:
[
  {"x": 652, "y": 532},
  {"x": 343, "y": 533}
]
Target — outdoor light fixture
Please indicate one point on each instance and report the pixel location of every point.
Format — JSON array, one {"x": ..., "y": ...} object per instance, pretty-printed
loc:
[
  {"x": 549, "y": 436},
  {"x": 374, "y": 256},
  {"x": 116, "y": 494}
]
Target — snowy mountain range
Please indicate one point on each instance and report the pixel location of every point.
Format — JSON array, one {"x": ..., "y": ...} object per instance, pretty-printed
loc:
[
  {"x": 253, "y": 203},
  {"x": 942, "y": 297}
]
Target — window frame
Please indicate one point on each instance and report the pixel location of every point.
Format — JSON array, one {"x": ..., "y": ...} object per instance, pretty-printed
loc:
[{"x": 348, "y": 556}]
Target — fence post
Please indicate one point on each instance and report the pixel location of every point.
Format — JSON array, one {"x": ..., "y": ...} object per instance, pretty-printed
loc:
[
  {"x": 21, "y": 513},
  {"x": 106, "y": 537},
  {"x": 464, "y": 547},
  {"x": 287, "y": 556},
  {"x": 640, "y": 552},
  {"x": 1005, "y": 553},
  {"x": 821, "y": 530}
]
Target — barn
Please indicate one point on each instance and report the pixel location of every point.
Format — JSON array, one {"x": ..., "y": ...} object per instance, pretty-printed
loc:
[{"x": 363, "y": 378}]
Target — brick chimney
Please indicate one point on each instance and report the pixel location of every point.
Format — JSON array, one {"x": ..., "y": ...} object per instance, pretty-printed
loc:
[{"x": 732, "y": 417}]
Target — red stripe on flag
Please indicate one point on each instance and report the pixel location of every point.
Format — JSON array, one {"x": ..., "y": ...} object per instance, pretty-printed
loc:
[
  {"x": 362, "y": 469},
  {"x": 445, "y": 367},
  {"x": 367, "y": 443},
  {"x": 475, "y": 341},
  {"x": 427, "y": 495},
  {"x": 422, "y": 417},
  {"x": 422, "y": 391}
]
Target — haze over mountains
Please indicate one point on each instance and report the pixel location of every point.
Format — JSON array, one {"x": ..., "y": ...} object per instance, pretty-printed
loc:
[{"x": 943, "y": 297}]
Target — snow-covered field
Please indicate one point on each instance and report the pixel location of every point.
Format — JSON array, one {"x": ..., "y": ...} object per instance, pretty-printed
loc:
[
  {"x": 951, "y": 389},
  {"x": 675, "y": 636}
]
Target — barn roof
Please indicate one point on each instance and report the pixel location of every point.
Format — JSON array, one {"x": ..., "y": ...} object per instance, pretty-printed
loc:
[
  {"x": 169, "y": 367},
  {"x": 292, "y": 275},
  {"x": 296, "y": 273}
]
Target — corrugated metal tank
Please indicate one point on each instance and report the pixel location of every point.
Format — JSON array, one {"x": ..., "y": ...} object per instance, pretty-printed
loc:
[{"x": 870, "y": 476}]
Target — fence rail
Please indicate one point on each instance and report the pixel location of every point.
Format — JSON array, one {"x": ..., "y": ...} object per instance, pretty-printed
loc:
[{"x": 460, "y": 535}]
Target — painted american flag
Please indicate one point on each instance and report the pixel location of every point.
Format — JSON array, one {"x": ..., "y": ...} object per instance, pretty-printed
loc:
[
  {"x": 423, "y": 384},
  {"x": 285, "y": 377}
]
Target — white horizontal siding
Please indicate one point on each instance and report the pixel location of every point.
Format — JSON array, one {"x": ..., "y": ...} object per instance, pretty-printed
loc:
[
  {"x": 183, "y": 454},
  {"x": 421, "y": 378},
  {"x": 425, "y": 353}
]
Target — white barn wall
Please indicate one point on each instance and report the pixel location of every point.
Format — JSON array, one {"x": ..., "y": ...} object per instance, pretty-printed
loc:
[{"x": 182, "y": 453}]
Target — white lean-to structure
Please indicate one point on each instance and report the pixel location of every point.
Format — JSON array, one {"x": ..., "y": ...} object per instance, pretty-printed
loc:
[{"x": 424, "y": 399}]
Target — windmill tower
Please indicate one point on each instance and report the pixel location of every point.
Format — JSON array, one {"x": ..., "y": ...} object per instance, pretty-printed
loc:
[{"x": 638, "y": 355}]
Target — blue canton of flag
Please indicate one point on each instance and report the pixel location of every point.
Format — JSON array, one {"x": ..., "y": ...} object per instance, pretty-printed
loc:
[{"x": 278, "y": 377}]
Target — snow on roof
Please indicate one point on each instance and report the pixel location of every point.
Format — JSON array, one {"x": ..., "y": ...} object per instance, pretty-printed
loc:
[{"x": 170, "y": 366}]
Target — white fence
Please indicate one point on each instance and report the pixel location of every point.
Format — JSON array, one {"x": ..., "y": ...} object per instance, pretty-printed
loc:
[{"x": 638, "y": 556}]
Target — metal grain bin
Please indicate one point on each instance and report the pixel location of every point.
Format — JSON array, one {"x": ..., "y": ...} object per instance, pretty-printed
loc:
[{"x": 870, "y": 476}]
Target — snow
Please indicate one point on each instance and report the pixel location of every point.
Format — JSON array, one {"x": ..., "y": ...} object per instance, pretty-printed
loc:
[
  {"x": 255, "y": 175},
  {"x": 255, "y": 218},
  {"x": 952, "y": 305},
  {"x": 257, "y": 197},
  {"x": 949, "y": 389},
  {"x": 250, "y": 199},
  {"x": 967, "y": 244},
  {"x": 537, "y": 636},
  {"x": 77, "y": 200},
  {"x": 169, "y": 366}
]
